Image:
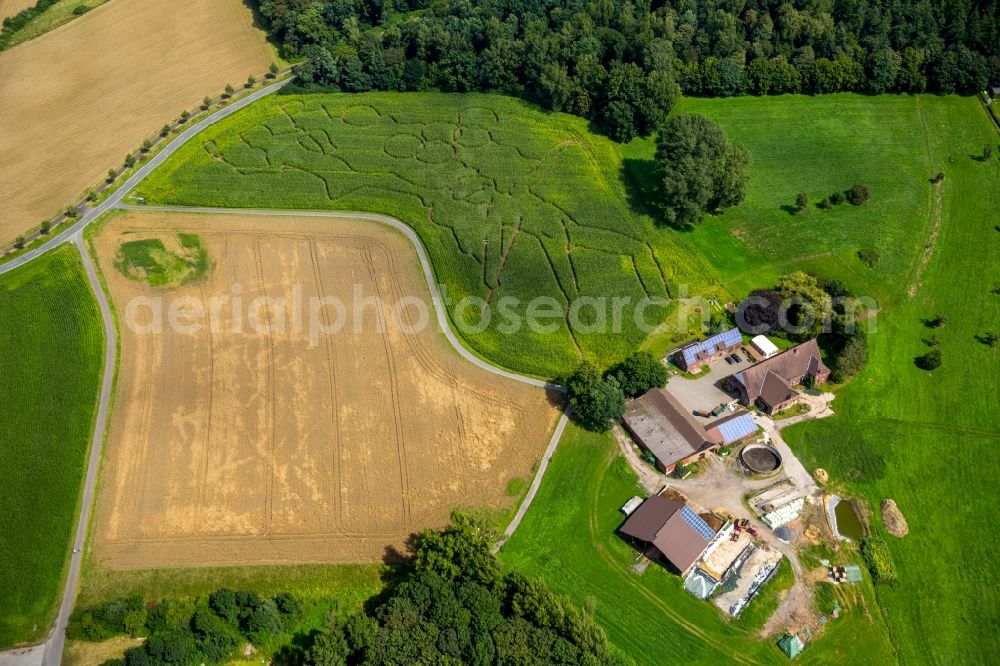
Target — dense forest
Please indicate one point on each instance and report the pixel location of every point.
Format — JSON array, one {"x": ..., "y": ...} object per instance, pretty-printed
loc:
[
  {"x": 624, "y": 63},
  {"x": 452, "y": 606}
]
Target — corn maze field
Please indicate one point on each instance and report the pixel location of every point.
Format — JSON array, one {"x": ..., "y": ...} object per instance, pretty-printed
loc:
[{"x": 510, "y": 202}]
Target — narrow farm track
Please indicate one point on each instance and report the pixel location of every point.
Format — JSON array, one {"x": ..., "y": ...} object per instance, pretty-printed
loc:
[{"x": 54, "y": 644}]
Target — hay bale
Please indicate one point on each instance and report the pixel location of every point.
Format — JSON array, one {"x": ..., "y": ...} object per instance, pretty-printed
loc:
[
  {"x": 892, "y": 518},
  {"x": 821, "y": 475}
]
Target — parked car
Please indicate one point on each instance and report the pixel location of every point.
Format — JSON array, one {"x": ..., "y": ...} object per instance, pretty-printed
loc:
[
  {"x": 736, "y": 358},
  {"x": 729, "y": 360}
]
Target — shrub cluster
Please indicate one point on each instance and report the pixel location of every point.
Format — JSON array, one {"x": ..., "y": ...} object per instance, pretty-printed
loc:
[
  {"x": 599, "y": 400},
  {"x": 879, "y": 561},
  {"x": 207, "y": 630},
  {"x": 454, "y": 605},
  {"x": 457, "y": 607}
]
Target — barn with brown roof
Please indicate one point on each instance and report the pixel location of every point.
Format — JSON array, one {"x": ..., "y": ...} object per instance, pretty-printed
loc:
[
  {"x": 670, "y": 530},
  {"x": 769, "y": 384}
]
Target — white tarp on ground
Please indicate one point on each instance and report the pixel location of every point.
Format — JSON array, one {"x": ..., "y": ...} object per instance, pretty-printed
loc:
[{"x": 785, "y": 513}]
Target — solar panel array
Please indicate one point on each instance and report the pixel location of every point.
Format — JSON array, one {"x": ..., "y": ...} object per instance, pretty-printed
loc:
[
  {"x": 708, "y": 345},
  {"x": 696, "y": 522},
  {"x": 736, "y": 429}
]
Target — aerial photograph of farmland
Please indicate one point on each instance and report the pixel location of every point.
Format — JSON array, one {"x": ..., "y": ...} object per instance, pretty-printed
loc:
[{"x": 499, "y": 332}]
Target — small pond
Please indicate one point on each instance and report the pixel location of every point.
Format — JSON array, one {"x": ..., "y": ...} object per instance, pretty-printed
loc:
[{"x": 848, "y": 523}]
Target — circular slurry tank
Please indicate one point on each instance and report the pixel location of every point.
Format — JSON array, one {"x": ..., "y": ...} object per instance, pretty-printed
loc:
[{"x": 761, "y": 458}]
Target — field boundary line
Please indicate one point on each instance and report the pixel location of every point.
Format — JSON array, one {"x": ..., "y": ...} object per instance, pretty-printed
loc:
[
  {"x": 52, "y": 655},
  {"x": 536, "y": 483},
  {"x": 436, "y": 298}
]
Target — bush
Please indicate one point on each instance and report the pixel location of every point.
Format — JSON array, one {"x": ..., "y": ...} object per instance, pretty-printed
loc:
[
  {"x": 601, "y": 406},
  {"x": 869, "y": 257},
  {"x": 931, "y": 360},
  {"x": 165, "y": 130},
  {"x": 205, "y": 103},
  {"x": 851, "y": 359},
  {"x": 801, "y": 201},
  {"x": 837, "y": 198},
  {"x": 639, "y": 373},
  {"x": 80, "y": 10},
  {"x": 879, "y": 561},
  {"x": 45, "y": 227},
  {"x": 229, "y": 90},
  {"x": 857, "y": 195},
  {"x": 826, "y": 203}
]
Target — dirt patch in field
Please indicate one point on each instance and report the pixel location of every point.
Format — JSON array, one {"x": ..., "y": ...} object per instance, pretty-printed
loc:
[
  {"x": 255, "y": 440},
  {"x": 925, "y": 256},
  {"x": 76, "y": 100}
]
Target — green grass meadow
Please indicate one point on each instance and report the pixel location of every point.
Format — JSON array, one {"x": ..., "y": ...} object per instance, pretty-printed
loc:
[
  {"x": 50, "y": 366},
  {"x": 929, "y": 440}
]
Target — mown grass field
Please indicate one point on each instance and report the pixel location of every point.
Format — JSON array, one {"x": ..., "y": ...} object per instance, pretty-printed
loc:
[
  {"x": 929, "y": 440},
  {"x": 510, "y": 202},
  {"x": 50, "y": 366}
]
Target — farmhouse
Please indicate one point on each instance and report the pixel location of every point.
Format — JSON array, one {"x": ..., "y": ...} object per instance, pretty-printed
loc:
[
  {"x": 669, "y": 530},
  {"x": 659, "y": 423},
  {"x": 769, "y": 383},
  {"x": 693, "y": 356}
]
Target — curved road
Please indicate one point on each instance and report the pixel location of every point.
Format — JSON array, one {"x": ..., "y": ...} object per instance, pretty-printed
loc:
[
  {"x": 52, "y": 649},
  {"x": 439, "y": 305}
]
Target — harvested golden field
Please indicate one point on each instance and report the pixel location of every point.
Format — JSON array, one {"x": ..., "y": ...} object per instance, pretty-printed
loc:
[
  {"x": 256, "y": 439},
  {"x": 77, "y": 99},
  {"x": 11, "y": 7}
]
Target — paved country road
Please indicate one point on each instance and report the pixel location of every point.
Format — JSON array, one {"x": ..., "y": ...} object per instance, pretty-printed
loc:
[{"x": 51, "y": 651}]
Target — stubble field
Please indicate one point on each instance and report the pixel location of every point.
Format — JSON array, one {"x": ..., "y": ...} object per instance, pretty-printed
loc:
[
  {"x": 11, "y": 7},
  {"x": 260, "y": 446},
  {"x": 79, "y": 98}
]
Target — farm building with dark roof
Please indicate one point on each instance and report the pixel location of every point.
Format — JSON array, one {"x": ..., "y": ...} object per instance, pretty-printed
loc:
[
  {"x": 769, "y": 384},
  {"x": 669, "y": 529}
]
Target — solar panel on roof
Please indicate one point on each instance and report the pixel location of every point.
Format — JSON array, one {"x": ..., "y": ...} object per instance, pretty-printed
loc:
[
  {"x": 708, "y": 345},
  {"x": 737, "y": 428},
  {"x": 696, "y": 522}
]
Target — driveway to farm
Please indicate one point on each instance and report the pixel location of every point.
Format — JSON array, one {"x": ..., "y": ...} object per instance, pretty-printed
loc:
[{"x": 53, "y": 646}]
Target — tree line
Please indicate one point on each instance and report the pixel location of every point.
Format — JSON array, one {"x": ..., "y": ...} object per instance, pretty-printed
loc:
[
  {"x": 623, "y": 64},
  {"x": 453, "y": 605}
]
